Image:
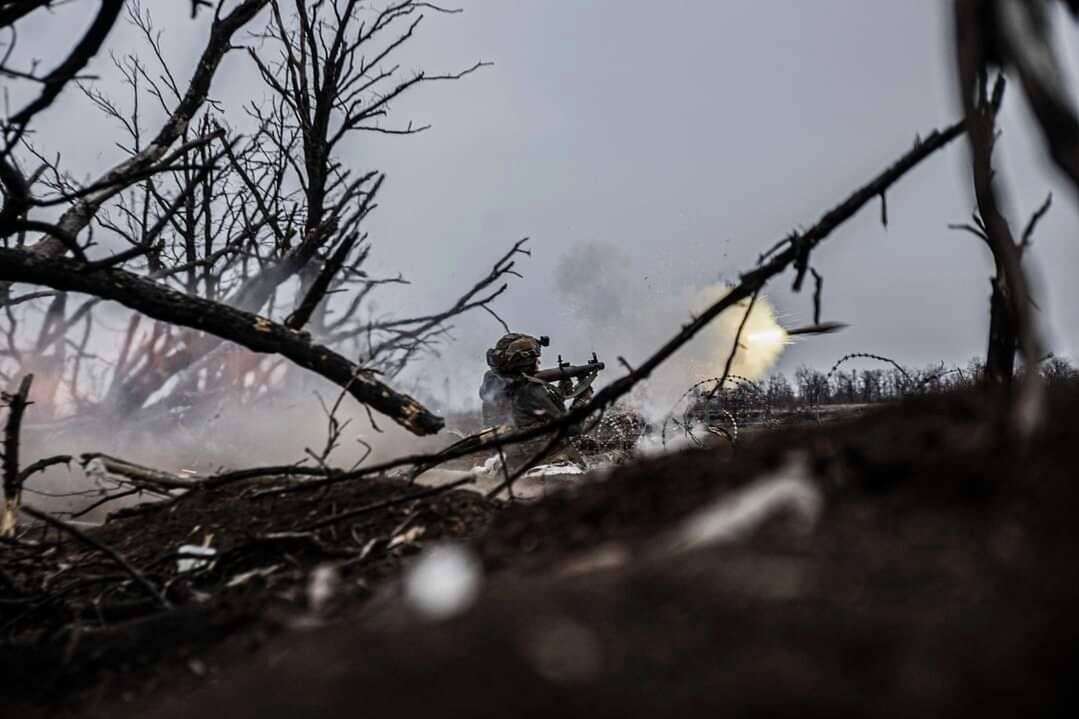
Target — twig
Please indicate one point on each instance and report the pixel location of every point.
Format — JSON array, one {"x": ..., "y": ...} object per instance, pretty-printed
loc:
[
  {"x": 43, "y": 464},
  {"x": 342, "y": 516},
  {"x": 241, "y": 475},
  {"x": 818, "y": 285},
  {"x": 1028, "y": 232},
  {"x": 505, "y": 470},
  {"x": 109, "y": 552},
  {"x": 737, "y": 339},
  {"x": 104, "y": 500}
]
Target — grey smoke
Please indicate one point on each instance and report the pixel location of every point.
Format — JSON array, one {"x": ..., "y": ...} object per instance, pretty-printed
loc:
[{"x": 594, "y": 280}]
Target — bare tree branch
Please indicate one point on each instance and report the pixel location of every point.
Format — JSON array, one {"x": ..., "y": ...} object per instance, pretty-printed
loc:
[
  {"x": 1032, "y": 224},
  {"x": 249, "y": 330},
  {"x": 55, "y": 82},
  {"x": 115, "y": 180}
]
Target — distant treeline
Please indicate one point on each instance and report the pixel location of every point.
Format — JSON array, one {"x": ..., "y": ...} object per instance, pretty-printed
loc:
[{"x": 843, "y": 386}]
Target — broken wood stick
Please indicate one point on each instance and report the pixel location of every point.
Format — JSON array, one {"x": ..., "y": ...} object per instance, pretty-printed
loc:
[
  {"x": 16, "y": 404},
  {"x": 385, "y": 504},
  {"x": 97, "y": 464}
]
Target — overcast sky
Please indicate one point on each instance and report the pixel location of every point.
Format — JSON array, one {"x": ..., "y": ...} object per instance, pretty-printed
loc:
[{"x": 662, "y": 146}]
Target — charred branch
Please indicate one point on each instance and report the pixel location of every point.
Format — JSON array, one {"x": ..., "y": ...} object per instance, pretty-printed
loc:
[
  {"x": 1032, "y": 224},
  {"x": 254, "y": 332},
  {"x": 133, "y": 473},
  {"x": 42, "y": 464}
]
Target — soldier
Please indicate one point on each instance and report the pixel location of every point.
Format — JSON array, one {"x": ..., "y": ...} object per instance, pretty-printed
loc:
[
  {"x": 517, "y": 394},
  {"x": 511, "y": 396}
]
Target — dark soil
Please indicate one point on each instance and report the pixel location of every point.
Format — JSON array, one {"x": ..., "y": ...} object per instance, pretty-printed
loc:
[
  {"x": 940, "y": 580},
  {"x": 88, "y": 635}
]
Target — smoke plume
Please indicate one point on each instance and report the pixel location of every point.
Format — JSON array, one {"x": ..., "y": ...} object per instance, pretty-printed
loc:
[{"x": 620, "y": 309}]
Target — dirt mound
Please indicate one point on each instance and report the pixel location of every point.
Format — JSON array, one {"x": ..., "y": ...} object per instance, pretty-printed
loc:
[
  {"x": 933, "y": 576},
  {"x": 73, "y": 623}
]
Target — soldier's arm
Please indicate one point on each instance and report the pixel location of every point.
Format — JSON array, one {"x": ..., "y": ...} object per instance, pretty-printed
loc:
[{"x": 533, "y": 405}]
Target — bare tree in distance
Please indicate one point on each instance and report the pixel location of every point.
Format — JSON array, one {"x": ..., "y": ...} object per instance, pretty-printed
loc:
[{"x": 254, "y": 241}]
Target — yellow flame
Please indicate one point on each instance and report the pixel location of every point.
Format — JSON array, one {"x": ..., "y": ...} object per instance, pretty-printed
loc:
[
  {"x": 768, "y": 340},
  {"x": 762, "y": 341}
]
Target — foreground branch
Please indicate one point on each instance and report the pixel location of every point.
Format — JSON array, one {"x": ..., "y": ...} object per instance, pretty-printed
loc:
[
  {"x": 254, "y": 332},
  {"x": 1021, "y": 34}
]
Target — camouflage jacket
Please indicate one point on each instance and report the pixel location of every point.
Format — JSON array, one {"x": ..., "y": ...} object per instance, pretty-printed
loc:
[
  {"x": 534, "y": 402},
  {"x": 496, "y": 394},
  {"x": 518, "y": 400}
]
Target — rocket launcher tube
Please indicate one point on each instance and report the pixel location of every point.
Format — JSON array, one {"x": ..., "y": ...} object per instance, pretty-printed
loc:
[{"x": 568, "y": 371}]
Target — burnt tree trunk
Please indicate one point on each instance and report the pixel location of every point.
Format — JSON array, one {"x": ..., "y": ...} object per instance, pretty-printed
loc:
[
  {"x": 16, "y": 404},
  {"x": 1003, "y": 343}
]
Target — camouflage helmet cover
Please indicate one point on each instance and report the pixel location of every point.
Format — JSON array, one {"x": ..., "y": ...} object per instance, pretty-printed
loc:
[{"x": 514, "y": 351}]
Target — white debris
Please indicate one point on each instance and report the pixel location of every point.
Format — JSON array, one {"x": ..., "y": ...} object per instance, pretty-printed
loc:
[
  {"x": 734, "y": 515},
  {"x": 95, "y": 470},
  {"x": 408, "y": 536},
  {"x": 83, "y": 524},
  {"x": 322, "y": 586},
  {"x": 244, "y": 577},
  {"x": 556, "y": 468},
  {"x": 444, "y": 581},
  {"x": 491, "y": 467},
  {"x": 194, "y": 556}
]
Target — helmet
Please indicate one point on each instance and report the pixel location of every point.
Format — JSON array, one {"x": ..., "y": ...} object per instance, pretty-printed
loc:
[{"x": 515, "y": 352}]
